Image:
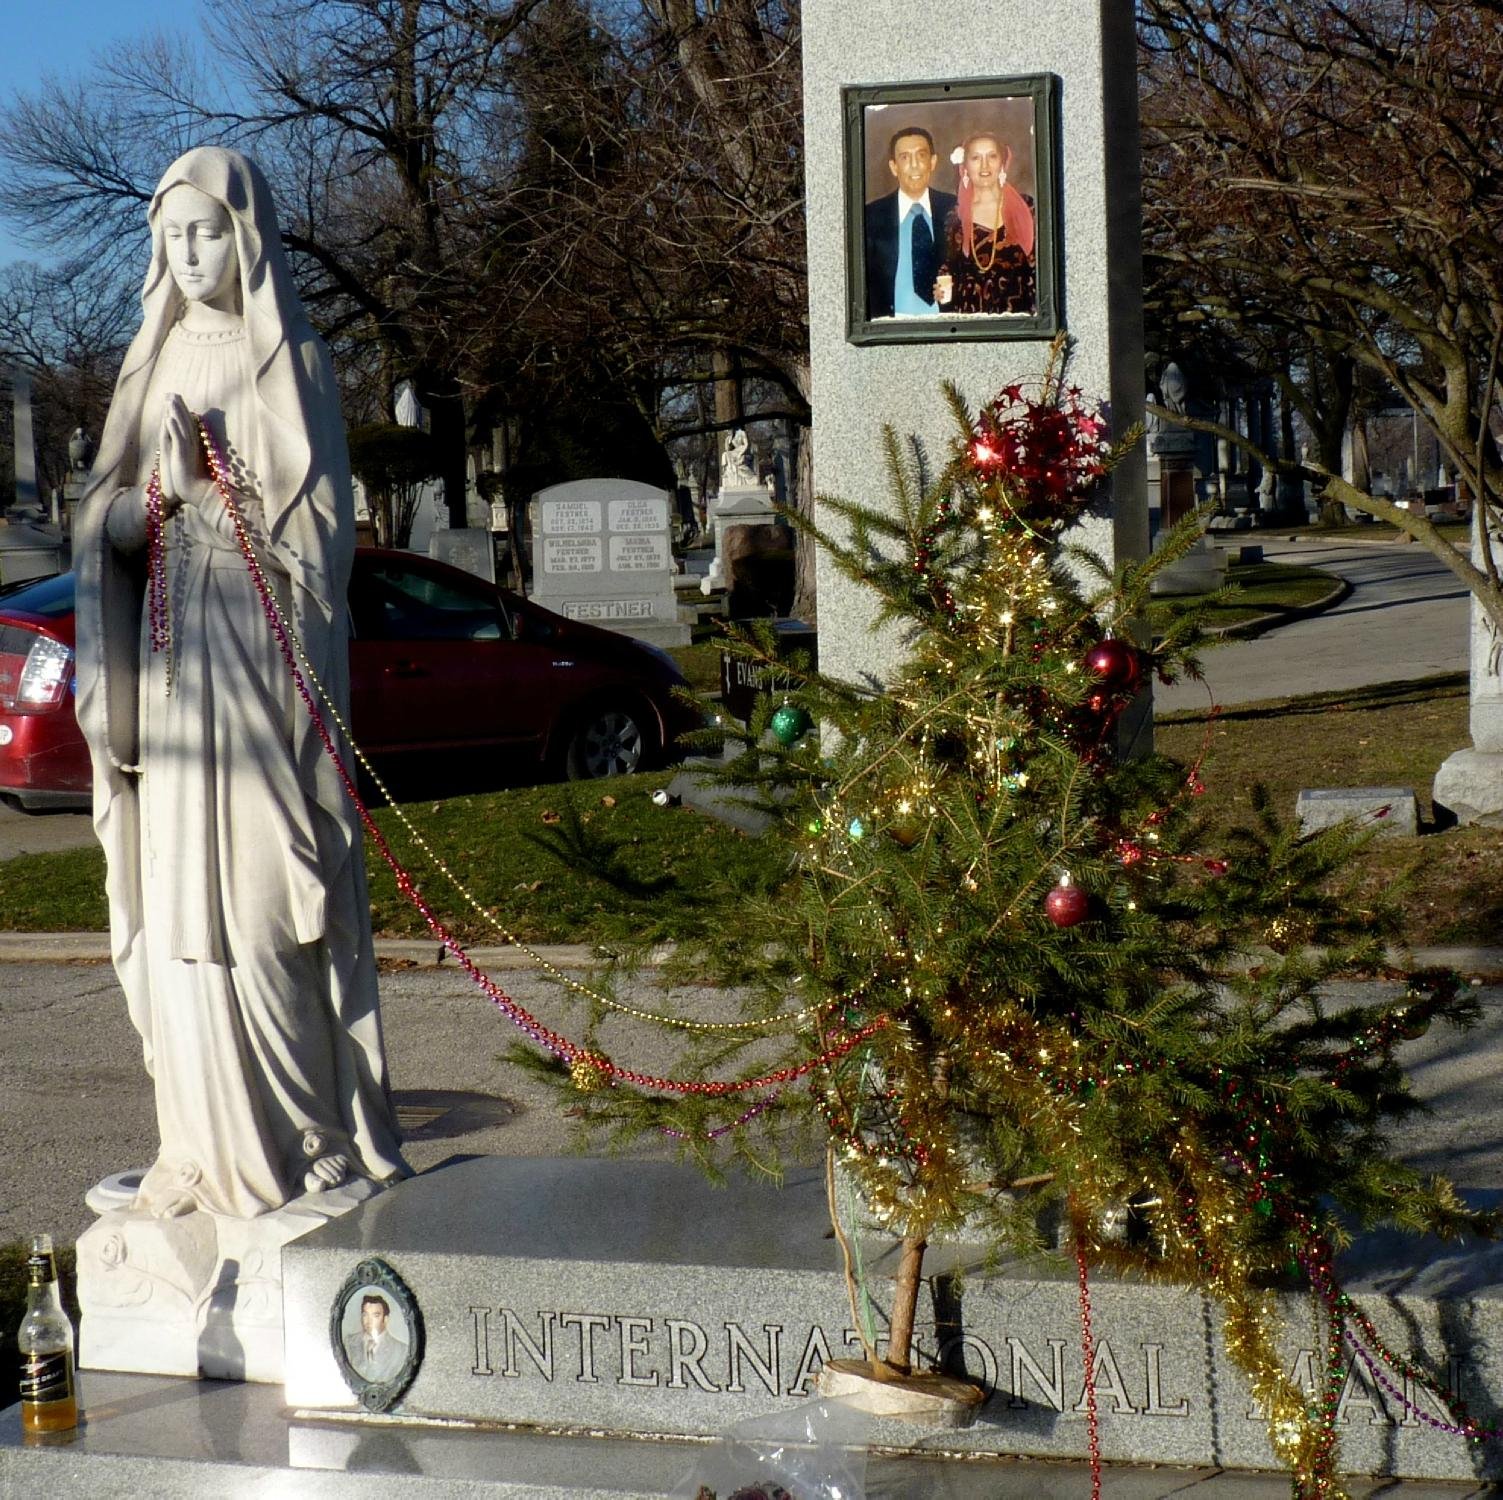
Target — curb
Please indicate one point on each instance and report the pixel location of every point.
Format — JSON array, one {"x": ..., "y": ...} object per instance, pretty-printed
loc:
[
  {"x": 422, "y": 953},
  {"x": 1249, "y": 629}
]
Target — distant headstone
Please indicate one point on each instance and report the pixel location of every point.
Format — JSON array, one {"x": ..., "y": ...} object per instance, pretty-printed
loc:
[
  {"x": 29, "y": 551},
  {"x": 467, "y": 547},
  {"x": 1389, "y": 809},
  {"x": 80, "y": 460},
  {"x": 747, "y": 529},
  {"x": 602, "y": 553},
  {"x": 1203, "y": 567},
  {"x": 1470, "y": 782}
]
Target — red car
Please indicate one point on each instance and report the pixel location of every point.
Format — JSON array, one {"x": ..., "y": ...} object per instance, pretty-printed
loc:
[{"x": 440, "y": 662}]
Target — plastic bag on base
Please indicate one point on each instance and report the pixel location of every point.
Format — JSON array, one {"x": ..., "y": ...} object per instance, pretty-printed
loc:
[{"x": 811, "y": 1452}]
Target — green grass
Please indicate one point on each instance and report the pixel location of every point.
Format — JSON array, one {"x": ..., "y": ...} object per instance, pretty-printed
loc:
[
  {"x": 1381, "y": 531},
  {"x": 1262, "y": 589},
  {"x": 56, "y": 892},
  {"x": 531, "y": 855},
  {"x": 700, "y": 663},
  {"x": 528, "y": 853},
  {"x": 1392, "y": 734}
]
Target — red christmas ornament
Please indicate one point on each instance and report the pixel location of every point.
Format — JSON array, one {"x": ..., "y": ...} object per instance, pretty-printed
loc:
[
  {"x": 1066, "y": 904},
  {"x": 1115, "y": 665}
]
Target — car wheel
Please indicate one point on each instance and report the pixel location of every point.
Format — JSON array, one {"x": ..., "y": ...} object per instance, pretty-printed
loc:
[{"x": 608, "y": 740}]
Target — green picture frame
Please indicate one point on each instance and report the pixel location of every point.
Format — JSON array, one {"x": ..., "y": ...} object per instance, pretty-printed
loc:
[{"x": 380, "y": 1375}]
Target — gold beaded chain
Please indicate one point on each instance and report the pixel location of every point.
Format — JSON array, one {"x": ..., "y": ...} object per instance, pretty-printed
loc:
[{"x": 790, "y": 1019}]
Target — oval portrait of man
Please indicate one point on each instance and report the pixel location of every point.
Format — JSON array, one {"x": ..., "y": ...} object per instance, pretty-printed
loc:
[{"x": 377, "y": 1334}]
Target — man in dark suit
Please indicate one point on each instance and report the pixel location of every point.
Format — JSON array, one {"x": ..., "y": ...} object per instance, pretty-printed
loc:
[{"x": 905, "y": 232}]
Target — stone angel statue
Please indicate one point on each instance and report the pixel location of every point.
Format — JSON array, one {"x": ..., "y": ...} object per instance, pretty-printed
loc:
[{"x": 736, "y": 471}]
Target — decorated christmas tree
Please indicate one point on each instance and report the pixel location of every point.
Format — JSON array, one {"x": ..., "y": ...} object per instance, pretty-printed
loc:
[{"x": 1007, "y": 976}]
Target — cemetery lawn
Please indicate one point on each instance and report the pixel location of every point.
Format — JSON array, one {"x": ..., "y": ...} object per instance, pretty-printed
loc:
[
  {"x": 1392, "y": 734},
  {"x": 540, "y": 857},
  {"x": 1457, "y": 532}
]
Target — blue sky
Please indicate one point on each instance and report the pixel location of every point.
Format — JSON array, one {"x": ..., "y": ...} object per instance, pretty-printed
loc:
[{"x": 61, "y": 37}]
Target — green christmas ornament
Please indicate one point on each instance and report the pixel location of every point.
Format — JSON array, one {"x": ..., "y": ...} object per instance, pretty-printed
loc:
[
  {"x": 790, "y": 724},
  {"x": 1413, "y": 1027}
]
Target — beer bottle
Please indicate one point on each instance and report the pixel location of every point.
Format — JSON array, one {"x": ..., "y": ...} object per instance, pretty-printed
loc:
[{"x": 49, "y": 1400}]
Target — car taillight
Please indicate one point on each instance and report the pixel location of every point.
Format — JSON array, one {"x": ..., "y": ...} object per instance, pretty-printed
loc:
[{"x": 44, "y": 678}]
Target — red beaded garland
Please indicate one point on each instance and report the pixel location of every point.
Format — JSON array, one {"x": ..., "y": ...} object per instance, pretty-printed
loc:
[
  {"x": 1088, "y": 1351},
  {"x": 559, "y": 1045},
  {"x": 158, "y": 627}
]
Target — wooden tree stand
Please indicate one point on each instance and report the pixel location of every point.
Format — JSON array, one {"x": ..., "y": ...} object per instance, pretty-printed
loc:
[{"x": 932, "y": 1399}]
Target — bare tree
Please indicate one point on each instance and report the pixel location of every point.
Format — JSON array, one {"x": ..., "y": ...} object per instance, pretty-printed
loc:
[
  {"x": 67, "y": 327},
  {"x": 1327, "y": 175},
  {"x": 366, "y": 114},
  {"x": 654, "y": 227}
]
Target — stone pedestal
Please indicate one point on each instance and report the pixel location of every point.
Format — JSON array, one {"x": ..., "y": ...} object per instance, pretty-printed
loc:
[
  {"x": 1089, "y": 48},
  {"x": 587, "y": 1296},
  {"x": 1203, "y": 567},
  {"x": 1469, "y": 783},
  {"x": 742, "y": 520},
  {"x": 196, "y": 1295}
]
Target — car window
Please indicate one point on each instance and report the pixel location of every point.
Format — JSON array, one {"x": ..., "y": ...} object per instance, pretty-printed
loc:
[
  {"x": 51, "y": 598},
  {"x": 391, "y": 603}
]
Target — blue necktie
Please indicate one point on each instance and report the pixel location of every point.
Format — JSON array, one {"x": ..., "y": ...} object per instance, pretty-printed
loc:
[{"x": 913, "y": 283}]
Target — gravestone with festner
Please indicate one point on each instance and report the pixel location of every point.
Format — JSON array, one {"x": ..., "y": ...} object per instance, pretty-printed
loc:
[{"x": 602, "y": 553}]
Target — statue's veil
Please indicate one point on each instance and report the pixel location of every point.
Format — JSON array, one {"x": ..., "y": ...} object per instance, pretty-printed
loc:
[{"x": 274, "y": 319}]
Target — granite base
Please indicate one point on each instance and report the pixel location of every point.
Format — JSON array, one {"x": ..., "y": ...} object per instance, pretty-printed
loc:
[
  {"x": 177, "y": 1439},
  {"x": 1469, "y": 785},
  {"x": 637, "y": 1299}
]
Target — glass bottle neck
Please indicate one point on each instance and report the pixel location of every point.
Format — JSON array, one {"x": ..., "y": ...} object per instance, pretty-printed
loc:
[{"x": 41, "y": 1277}]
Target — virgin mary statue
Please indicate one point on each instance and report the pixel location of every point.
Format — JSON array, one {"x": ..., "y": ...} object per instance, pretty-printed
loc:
[{"x": 239, "y": 922}]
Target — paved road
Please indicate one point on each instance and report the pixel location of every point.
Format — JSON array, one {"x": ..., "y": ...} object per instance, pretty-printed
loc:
[
  {"x": 1406, "y": 617},
  {"x": 77, "y": 1104}
]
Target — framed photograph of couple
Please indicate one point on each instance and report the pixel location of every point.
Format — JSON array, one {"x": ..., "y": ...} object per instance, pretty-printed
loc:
[{"x": 952, "y": 220}]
